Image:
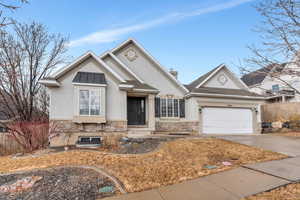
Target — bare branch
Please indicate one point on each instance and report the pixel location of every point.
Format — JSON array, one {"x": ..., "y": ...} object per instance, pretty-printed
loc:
[
  {"x": 280, "y": 41},
  {"x": 27, "y": 54}
]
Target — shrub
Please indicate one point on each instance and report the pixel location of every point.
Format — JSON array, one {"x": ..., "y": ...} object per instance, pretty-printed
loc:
[
  {"x": 112, "y": 141},
  {"x": 32, "y": 135}
]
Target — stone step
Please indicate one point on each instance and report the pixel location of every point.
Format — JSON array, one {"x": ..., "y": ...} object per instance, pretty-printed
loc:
[{"x": 139, "y": 133}]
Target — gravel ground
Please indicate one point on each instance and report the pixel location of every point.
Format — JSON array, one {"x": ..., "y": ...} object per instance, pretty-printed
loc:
[{"x": 59, "y": 184}]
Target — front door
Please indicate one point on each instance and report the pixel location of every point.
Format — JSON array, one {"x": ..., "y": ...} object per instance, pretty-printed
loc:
[{"x": 136, "y": 110}]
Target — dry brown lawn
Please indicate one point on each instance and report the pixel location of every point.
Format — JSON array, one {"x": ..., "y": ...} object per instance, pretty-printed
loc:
[
  {"x": 293, "y": 134},
  {"x": 173, "y": 162},
  {"x": 288, "y": 192}
]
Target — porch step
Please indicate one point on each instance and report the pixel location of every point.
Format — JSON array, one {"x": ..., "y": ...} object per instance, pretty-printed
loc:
[{"x": 139, "y": 133}]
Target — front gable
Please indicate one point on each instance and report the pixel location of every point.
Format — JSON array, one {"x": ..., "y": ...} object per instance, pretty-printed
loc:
[
  {"x": 116, "y": 67},
  {"x": 145, "y": 66},
  {"x": 78, "y": 62},
  {"x": 222, "y": 77},
  {"x": 64, "y": 103}
]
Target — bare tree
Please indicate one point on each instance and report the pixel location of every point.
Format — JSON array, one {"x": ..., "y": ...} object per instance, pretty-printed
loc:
[
  {"x": 280, "y": 41},
  {"x": 8, "y": 6},
  {"x": 27, "y": 54}
]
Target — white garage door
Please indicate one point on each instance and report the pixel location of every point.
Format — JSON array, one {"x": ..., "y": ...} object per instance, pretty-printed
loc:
[{"x": 227, "y": 121}]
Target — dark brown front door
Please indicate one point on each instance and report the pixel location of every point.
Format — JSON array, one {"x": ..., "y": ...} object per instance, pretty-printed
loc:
[{"x": 136, "y": 110}]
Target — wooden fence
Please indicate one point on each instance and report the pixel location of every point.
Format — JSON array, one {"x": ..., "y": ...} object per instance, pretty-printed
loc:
[
  {"x": 8, "y": 145},
  {"x": 280, "y": 112}
]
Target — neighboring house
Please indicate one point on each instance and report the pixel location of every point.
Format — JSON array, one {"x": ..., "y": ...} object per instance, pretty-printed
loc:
[
  {"x": 275, "y": 82},
  {"x": 127, "y": 91}
]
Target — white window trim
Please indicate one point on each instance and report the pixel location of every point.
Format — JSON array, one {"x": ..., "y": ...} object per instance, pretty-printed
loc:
[
  {"x": 167, "y": 115},
  {"x": 89, "y": 115},
  {"x": 90, "y": 84}
]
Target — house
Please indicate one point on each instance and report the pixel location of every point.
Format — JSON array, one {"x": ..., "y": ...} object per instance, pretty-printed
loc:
[
  {"x": 127, "y": 91},
  {"x": 277, "y": 82}
]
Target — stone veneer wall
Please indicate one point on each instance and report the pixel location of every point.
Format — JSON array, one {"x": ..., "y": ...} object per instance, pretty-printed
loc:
[
  {"x": 109, "y": 126},
  {"x": 69, "y": 131},
  {"x": 191, "y": 127}
]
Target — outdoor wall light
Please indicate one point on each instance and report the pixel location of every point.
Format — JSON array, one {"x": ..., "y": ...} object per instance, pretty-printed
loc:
[
  {"x": 200, "y": 110},
  {"x": 255, "y": 110}
]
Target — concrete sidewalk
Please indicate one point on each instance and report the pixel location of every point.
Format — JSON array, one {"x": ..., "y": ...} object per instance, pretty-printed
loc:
[
  {"x": 280, "y": 144},
  {"x": 229, "y": 185}
]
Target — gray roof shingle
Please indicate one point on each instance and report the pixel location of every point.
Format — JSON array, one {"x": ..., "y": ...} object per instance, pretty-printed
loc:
[
  {"x": 192, "y": 87},
  {"x": 224, "y": 91},
  {"x": 259, "y": 75}
]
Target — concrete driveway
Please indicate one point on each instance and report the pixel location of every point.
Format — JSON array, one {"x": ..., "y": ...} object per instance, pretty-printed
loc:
[{"x": 281, "y": 144}]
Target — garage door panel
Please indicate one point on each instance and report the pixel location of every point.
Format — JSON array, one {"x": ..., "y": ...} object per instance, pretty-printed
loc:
[{"x": 227, "y": 121}]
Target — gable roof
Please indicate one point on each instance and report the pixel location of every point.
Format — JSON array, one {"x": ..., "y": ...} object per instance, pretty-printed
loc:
[
  {"x": 224, "y": 91},
  {"x": 108, "y": 53},
  {"x": 74, "y": 64},
  {"x": 199, "y": 82},
  {"x": 89, "y": 77},
  {"x": 258, "y": 76},
  {"x": 142, "y": 86},
  {"x": 160, "y": 67}
]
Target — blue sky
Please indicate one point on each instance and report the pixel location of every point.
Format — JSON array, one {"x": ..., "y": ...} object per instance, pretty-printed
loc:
[{"x": 190, "y": 36}]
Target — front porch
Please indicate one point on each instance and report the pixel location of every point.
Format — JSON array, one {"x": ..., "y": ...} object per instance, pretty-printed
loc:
[{"x": 140, "y": 114}]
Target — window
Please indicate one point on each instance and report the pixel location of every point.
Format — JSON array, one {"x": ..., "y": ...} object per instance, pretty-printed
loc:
[
  {"x": 169, "y": 107},
  {"x": 275, "y": 88},
  {"x": 3, "y": 129},
  {"x": 176, "y": 108},
  {"x": 93, "y": 140},
  {"x": 163, "y": 107},
  {"x": 89, "y": 102}
]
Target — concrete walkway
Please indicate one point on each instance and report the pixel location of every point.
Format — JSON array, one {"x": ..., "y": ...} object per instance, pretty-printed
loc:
[
  {"x": 229, "y": 185},
  {"x": 281, "y": 144}
]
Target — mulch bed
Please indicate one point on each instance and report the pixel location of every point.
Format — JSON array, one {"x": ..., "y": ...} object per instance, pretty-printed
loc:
[
  {"x": 172, "y": 162},
  {"x": 59, "y": 184},
  {"x": 288, "y": 192},
  {"x": 125, "y": 146},
  {"x": 138, "y": 145}
]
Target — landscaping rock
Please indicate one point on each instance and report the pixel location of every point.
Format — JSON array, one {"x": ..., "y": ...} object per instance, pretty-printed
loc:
[
  {"x": 20, "y": 185},
  {"x": 17, "y": 155}
]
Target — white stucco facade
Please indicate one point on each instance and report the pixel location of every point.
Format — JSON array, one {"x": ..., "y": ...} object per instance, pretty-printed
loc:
[{"x": 131, "y": 73}]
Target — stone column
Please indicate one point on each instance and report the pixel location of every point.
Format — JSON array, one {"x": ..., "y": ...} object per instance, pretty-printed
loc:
[{"x": 151, "y": 114}]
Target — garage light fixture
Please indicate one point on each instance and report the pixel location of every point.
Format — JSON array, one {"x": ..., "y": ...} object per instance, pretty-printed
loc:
[
  {"x": 255, "y": 110},
  {"x": 200, "y": 110}
]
